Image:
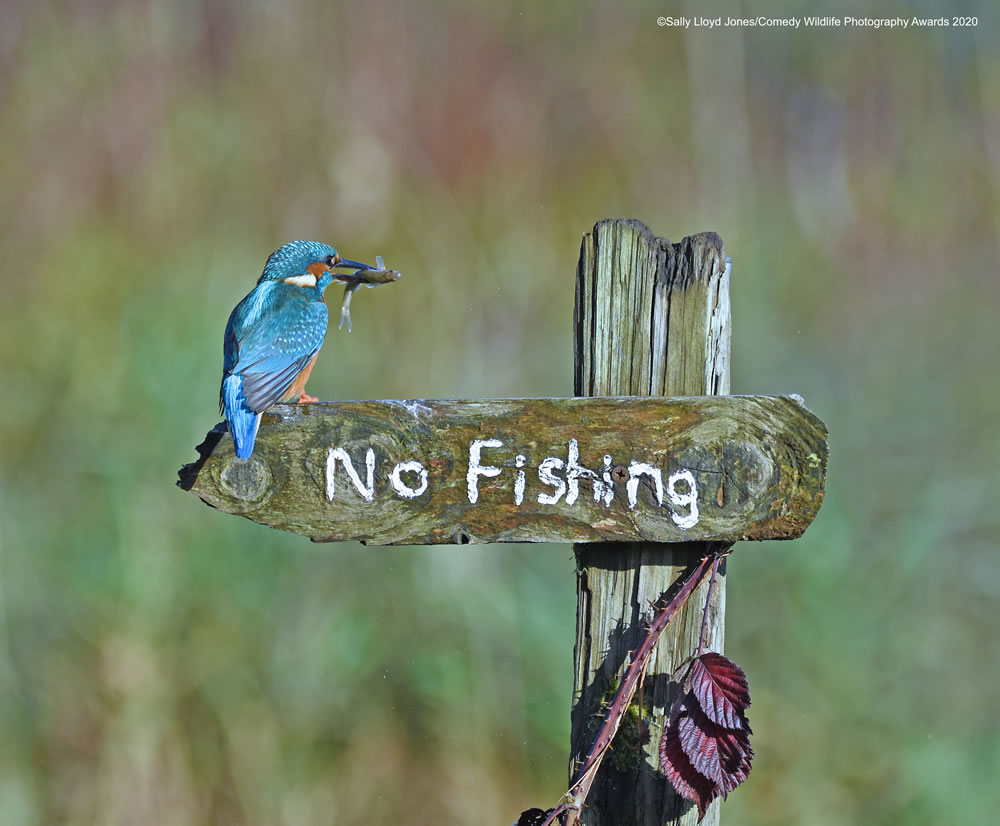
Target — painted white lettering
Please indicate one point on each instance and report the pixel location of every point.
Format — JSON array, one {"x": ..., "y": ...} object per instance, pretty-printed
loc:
[
  {"x": 546, "y": 477},
  {"x": 519, "y": 461},
  {"x": 575, "y": 471},
  {"x": 367, "y": 491},
  {"x": 604, "y": 489},
  {"x": 404, "y": 490},
  {"x": 637, "y": 469},
  {"x": 476, "y": 469},
  {"x": 684, "y": 500}
]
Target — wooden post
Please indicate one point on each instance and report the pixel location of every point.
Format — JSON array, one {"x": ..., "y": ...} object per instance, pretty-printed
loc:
[{"x": 652, "y": 319}]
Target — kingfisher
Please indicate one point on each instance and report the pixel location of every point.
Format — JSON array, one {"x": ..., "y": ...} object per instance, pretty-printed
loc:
[{"x": 274, "y": 334}]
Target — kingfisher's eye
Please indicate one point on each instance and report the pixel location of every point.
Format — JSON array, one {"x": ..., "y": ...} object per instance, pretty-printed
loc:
[{"x": 328, "y": 260}]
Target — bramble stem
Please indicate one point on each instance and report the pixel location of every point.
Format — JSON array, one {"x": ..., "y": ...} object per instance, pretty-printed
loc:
[
  {"x": 555, "y": 813},
  {"x": 708, "y": 601}
]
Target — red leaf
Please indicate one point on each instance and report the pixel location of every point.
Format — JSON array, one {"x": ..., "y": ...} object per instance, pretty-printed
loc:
[
  {"x": 714, "y": 751},
  {"x": 705, "y": 751},
  {"x": 735, "y": 754},
  {"x": 676, "y": 765},
  {"x": 721, "y": 689},
  {"x": 700, "y": 745}
]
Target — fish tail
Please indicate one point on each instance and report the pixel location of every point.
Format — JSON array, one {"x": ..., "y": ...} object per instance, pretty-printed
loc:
[{"x": 243, "y": 422}]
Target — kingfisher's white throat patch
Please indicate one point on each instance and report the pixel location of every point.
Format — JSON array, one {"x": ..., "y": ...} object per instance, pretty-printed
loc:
[{"x": 307, "y": 280}]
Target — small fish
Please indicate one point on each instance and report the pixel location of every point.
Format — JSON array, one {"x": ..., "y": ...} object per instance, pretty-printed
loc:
[{"x": 368, "y": 277}]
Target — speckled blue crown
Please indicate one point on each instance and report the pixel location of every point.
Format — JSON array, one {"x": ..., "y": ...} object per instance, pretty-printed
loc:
[{"x": 293, "y": 258}]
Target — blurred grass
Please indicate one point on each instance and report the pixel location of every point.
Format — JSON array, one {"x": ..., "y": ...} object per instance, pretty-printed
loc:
[{"x": 161, "y": 663}]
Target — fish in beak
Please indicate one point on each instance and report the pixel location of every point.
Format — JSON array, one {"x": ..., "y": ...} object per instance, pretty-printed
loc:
[{"x": 364, "y": 274}]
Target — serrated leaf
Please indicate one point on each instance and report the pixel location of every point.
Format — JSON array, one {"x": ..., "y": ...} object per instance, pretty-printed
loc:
[
  {"x": 735, "y": 754},
  {"x": 676, "y": 765},
  {"x": 697, "y": 739},
  {"x": 721, "y": 689},
  {"x": 702, "y": 757}
]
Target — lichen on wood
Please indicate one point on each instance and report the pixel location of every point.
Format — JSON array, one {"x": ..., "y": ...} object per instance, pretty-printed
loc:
[{"x": 747, "y": 456}]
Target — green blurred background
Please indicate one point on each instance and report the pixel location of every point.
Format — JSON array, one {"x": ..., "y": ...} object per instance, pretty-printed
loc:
[{"x": 162, "y": 663}]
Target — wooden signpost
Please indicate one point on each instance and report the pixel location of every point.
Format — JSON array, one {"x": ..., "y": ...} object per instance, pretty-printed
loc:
[{"x": 645, "y": 485}]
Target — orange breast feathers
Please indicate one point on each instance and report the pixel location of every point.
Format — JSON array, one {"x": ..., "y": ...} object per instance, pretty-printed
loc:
[{"x": 297, "y": 391}]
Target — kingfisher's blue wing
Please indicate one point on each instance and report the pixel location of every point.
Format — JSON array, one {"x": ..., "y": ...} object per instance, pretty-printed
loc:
[{"x": 271, "y": 337}]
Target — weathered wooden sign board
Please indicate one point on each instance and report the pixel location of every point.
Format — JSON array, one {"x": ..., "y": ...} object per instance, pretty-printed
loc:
[{"x": 526, "y": 470}]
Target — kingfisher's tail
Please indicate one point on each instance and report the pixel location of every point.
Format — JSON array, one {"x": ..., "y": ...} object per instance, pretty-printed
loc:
[{"x": 243, "y": 422}]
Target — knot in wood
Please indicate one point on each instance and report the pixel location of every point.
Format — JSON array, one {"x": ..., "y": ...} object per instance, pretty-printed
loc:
[{"x": 245, "y": 479}]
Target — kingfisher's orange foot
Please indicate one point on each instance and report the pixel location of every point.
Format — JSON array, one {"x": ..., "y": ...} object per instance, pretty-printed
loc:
[{"x": 305, "y": 398}]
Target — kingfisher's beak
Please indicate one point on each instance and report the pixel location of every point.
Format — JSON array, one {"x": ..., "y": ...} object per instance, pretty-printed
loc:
[{"x": 348, "y": 263}]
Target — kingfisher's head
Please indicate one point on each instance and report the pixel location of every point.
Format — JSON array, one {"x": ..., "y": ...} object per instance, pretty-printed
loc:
[{"x": 306, "y": 264}]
